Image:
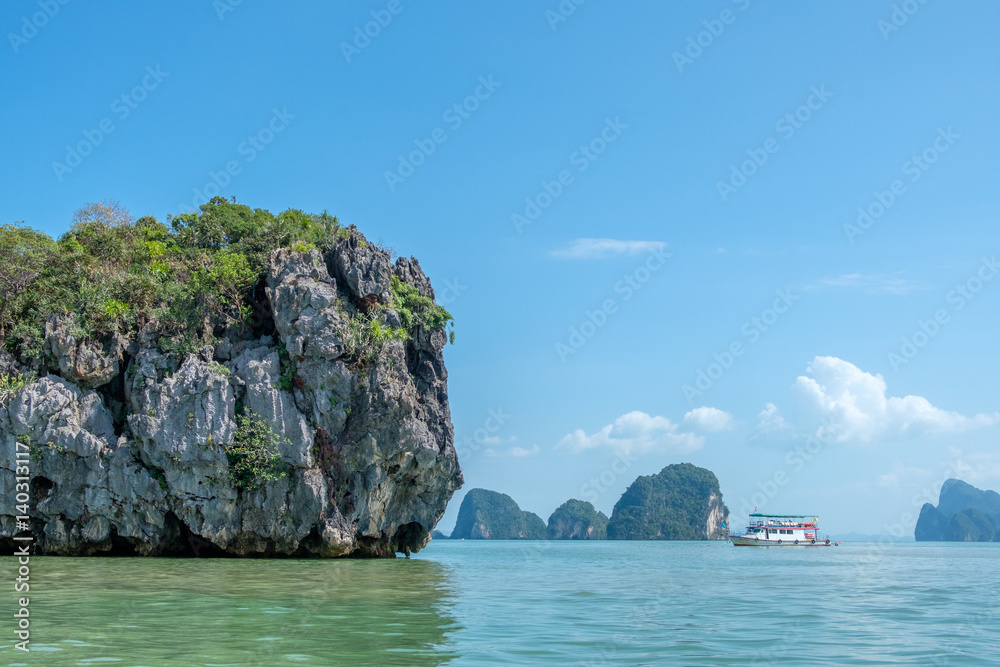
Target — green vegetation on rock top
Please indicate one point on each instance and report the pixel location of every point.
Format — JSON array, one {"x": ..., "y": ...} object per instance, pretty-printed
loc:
[
  {"x": 184, "y": 283},
  {"x": 490, "y": 515},
  {"x": 674, "y": 504},
  {"x": 577, "y": 520},
  {"x": 116, "y": 276}
]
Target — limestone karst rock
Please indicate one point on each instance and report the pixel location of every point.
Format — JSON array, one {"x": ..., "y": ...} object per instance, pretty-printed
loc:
[
  {"x": 489, "y": 515},
  {"x": 129, "y": 441},
  {"x": 963, "y": 514},
  {"x": 577, "y": 520},
  {"x": 681, "y": 502}
]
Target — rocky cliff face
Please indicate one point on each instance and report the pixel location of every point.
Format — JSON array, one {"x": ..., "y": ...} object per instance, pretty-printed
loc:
[
  {"x": 129, "y": 442},
  {"x": 964, "y": 514},
  {"x": 718, "y": 518},
  {"x": 577, "y": 520},
  {"x": 488, "y": 515},
  {"x": 681, "y": 502}
]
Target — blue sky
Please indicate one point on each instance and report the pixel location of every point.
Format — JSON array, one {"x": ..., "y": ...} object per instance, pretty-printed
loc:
[{"x": 696, "y": 170}]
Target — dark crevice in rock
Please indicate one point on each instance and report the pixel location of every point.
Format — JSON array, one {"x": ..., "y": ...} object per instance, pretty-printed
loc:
[
  {"x": 310, "y": 545},
  {"x": 262, "y": 322},
  {"x": 120, "y": 546},
  {"x": 348, "y": 502},
  {"x": 41, "y": 489},
  {"x": 373, "y": 547},
  {"x": 327, "y": 454},
  {"x": 115, "y": 399},
  {"x": 409, "y": 537},
  {"x": 180, "y": 541},
  {"x": 412, "y": 357}
]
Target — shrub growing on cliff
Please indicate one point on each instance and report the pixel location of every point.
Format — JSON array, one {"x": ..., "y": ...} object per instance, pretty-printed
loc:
[
  {"x": 364, "y": 336},
  {"x": 416, "y": 310},
  {"x": 254, "y": 457},
  {"x": 10, "y": 384}
]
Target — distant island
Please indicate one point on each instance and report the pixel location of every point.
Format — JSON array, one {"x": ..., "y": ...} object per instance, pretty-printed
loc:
[
  {"x": 681, "y": 502},
  {"x": 488, "y": 515},
  {"x": 963, "y": 514},
  {"x": 577, "y": 520}
]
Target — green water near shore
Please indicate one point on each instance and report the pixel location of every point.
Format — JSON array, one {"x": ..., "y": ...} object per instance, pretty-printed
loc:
[
  {"x": 235, "y": 612},
  {"x": 471, "y": 603}
]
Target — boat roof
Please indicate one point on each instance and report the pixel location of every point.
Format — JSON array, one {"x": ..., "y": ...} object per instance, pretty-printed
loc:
[{"x": 782, "y": 516}]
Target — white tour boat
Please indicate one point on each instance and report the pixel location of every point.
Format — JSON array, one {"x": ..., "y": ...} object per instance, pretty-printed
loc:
[{"x": 781, "y": 530}]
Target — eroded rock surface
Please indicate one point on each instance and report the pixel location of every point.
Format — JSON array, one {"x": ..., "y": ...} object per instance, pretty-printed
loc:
[
  {"x": 129, "y": 442},
  {"x": 83, "y": 363}
]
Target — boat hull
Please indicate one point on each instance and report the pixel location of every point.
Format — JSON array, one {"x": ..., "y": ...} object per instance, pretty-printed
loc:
[{"x": 740, "y": 541}]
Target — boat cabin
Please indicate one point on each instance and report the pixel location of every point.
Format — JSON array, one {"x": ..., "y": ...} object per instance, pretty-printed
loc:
[{"x": 782, "y": 527}]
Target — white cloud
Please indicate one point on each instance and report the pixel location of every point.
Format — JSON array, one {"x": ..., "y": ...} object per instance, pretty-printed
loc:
[
  {"x": 635, "y": 432},
  {"x": 601, "y": 248},
  {"x": 514, "y": 452},
  {"x": 900, "y": 473},
  {"x": 842, "y": 402},
  {"x": 710, "y": 419},
  {"x": 871, "y": 283},
  {"x": 981, "y": 469},
  {"x": 770, "y": 421}
]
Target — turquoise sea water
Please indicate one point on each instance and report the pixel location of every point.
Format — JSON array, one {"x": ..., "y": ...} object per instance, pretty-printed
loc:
[{"x": 473, "y": 603}]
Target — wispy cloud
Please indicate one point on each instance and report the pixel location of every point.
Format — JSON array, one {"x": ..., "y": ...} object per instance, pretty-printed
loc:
[
  {"x": 980, "y": 469},
  {"x": 710, "y": 419},
  {"x": 770, "y": 423},
  {"x": 601, "y": 248},
  {"x": 871, "y": 283},
  {"x": 514, "y": 452},
  {"x": 900, "y": 473}
]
